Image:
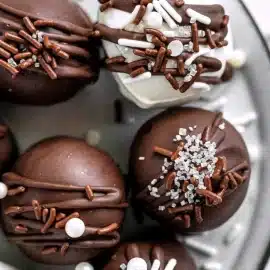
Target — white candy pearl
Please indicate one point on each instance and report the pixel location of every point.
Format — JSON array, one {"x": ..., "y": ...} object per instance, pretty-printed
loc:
[
  {"x": 177, "y": 47},
  {"x": 84, "y": 266},
  {"x": 154, "y": 20},
  {"x": 137, "y": 264},
  {"x": 75, "y": 228},
  {"x": 3, "y": 190},
  {"x": 238, "y": 58}
]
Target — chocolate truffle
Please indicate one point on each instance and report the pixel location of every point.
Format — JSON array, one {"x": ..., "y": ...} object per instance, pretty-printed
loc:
[
  {"x": 143, "y": 256},
  {"x": 166, "y": 45},
  {"x": 190, "y": 169},
  {"x": 66, "y": 202},
  {"x": 47, "y": 51}
]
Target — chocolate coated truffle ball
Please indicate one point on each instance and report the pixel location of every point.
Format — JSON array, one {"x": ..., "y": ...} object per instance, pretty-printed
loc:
[
  {"x": 143, "y": 256},
  {"x": 67, "y": 204},
  {"x": 190, "y": 169},
  {"x": 47, "y": 51}
]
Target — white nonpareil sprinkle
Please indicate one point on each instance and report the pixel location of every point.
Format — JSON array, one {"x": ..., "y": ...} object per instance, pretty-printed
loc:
[
  {"x": 137, "y": 264},
  {"x": 164, "y": 15},
  {"x": 168, "y": 7},
  {"x": 93, "y": 137},
  {"x": 176, "y": 47},
  {"x": 182, "y": 132},
  {"x": 191, "y": 128},
  {"x": 173, "y": 205},
  {"x": 123, "y": 266},
  {"x": 144, "y": 76},
  {"x": 154, "y": 181},
  {"x": 34, "y": 57},
  {"x": 155, "y": 265},
  {"x": 37, "y": 65},
  {"x": 135, "y": 43},
  {"x": 198, "y": 16},
  {"x": 188, "y": 78},
  {"x": 238, "y": 58},
  {"x": 171, "y": 264},
  {"x": 183, "y": 203},
  {"x": 189, "y": 47},
  {"x": 161, "y": 208},
  {"x": 141, "y": 158},
  {"x": 12, "y": 62},
  {"x": 222, "y": 126}
]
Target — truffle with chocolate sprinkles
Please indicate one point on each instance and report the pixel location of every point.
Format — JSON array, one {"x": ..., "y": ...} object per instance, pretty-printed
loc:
[
  {"x": 168, "y": 255},
  {"x": 190, "y": 28},
  {"x": 55, "y": 181},
  {"x": 195, "y": 174},
  {"x": 47, "y": 51}
]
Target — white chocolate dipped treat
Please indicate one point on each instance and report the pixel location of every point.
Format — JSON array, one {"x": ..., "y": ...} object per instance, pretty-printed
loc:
[{"x": 193, "y": 35}]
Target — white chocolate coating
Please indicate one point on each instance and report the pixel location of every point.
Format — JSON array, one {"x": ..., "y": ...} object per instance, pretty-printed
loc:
[{"x": 157, "y": 91}]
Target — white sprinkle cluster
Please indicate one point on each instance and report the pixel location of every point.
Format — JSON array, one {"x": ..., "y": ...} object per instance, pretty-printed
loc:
[
  {"x": 12, "y": 62},
  {"x": 123, "y": 266},
  {"x": 189, "y": 47},
  {"x": 192, "y": 72},
  {"x": 197, "y": 160}
]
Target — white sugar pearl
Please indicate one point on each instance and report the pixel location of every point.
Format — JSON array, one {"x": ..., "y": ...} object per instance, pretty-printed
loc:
[
  {"x": 137, "y": 264},
  {"x": 154, "y": 20},
  {"x": 238, "y": 58},
  {"x": 84, "y": 266},
  {"x": 177, "y": 47},
  {"x": 3, "y": 190},
  {"x": 93, "y": 137},
  {"x": 75, "y": 228}
]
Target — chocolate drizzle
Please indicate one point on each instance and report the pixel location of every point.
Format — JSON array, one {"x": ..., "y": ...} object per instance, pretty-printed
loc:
[
  {"x": 66, "y": 40},
  {"x": 168, "y": 196},
  {"x": 214, "y": 36},
  {"x": 50, "y": 218}
]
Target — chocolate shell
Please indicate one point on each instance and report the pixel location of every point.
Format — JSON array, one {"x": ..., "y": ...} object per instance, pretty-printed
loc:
[
  {"x": 47, "y": 51},
  {"x": 131, "y": 254},
  {"x": 56, "y": 181},
  {"x": 190, "y": 169}
]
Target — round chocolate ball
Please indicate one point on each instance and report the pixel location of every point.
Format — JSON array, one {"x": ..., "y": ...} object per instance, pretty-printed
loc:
[
  {"x": 47, "y": 51},
  {"x": 190, "y": 169},
  {"x": 143, "y": 256},
  {"x": 66, "y": 202}
]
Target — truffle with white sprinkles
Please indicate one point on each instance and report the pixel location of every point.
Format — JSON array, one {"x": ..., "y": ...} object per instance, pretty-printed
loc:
[
  {"x": 200, "y": 174},
  {"x": 159, "y": 31}
]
